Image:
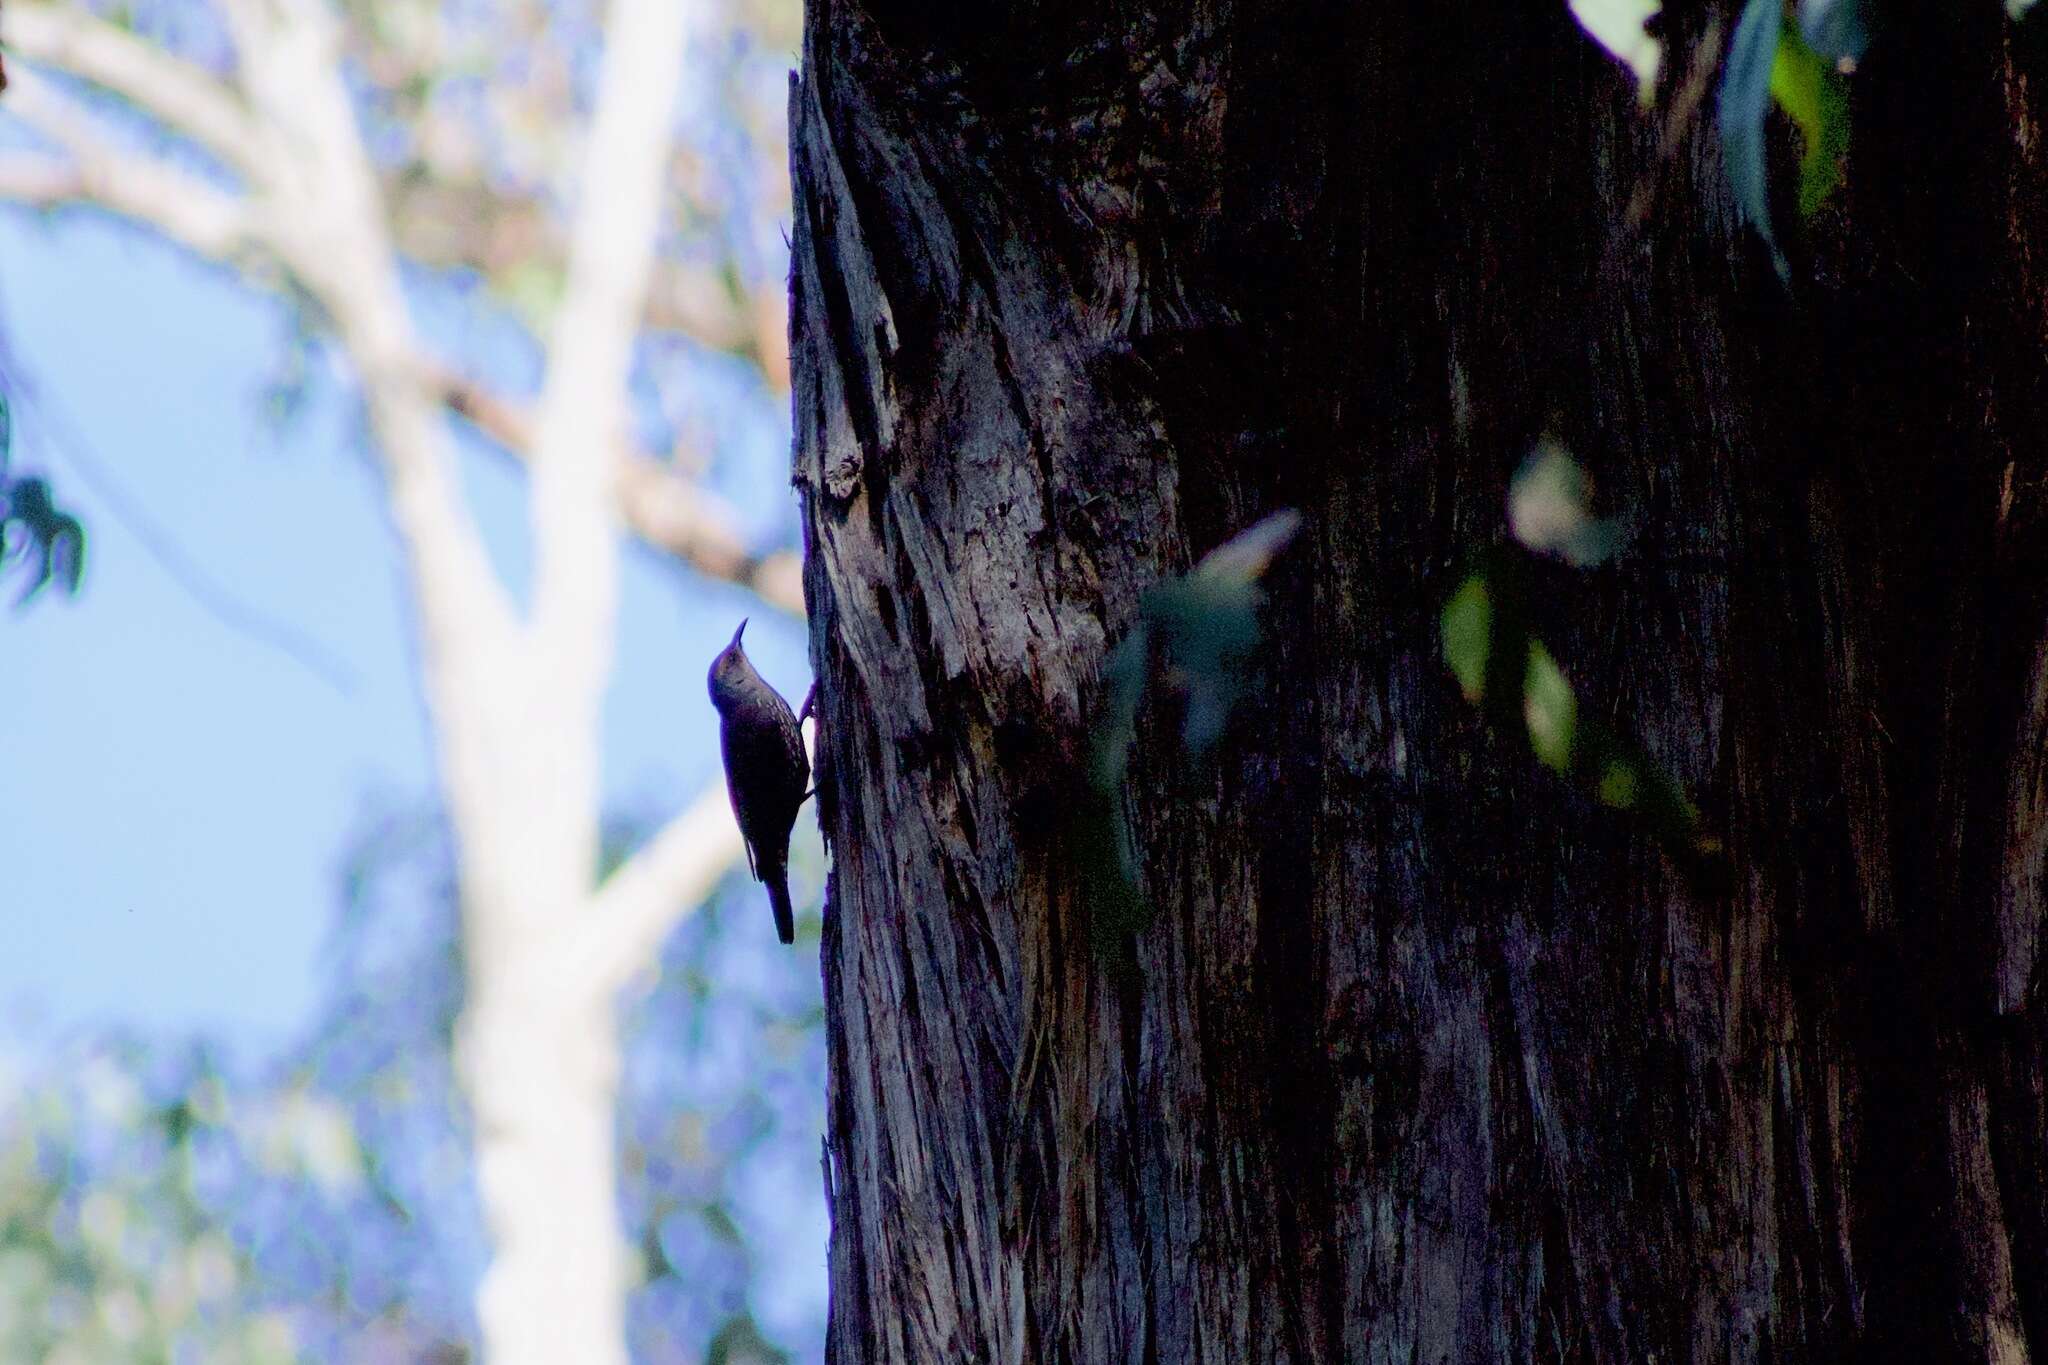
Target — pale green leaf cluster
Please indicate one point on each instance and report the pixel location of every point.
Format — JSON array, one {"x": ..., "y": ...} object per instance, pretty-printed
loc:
[
  {"x": 1195, "y": 645},
  {"x": 1518, "y": 683}
]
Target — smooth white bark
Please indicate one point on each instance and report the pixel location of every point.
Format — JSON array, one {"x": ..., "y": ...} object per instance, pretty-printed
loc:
[
  {"x": 545, "y": 1092},
  {"x": 93, "y": 169},
  {"x": 640, "y": 904}
]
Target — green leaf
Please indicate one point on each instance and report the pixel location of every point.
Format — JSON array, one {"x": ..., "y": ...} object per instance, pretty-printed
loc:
[
  {"x": 1809, "y": 89},
  {"x": 719, "y": 1221},
  {"x": 1550, "y": 709},
  {"x": 1795, "y": 65},
  {"x": 1244, "y": 558},
  {"x": 1468, "y": 635},
  {"x": 1117, "y": 726},
  {"x": 1198, "y": 638},
  {"x": 1205, "y": 627},
  {"x": 1522, "y": 691},
  {"x": 1618, "y": 785},
  {"x": 739, "y": 1342}
]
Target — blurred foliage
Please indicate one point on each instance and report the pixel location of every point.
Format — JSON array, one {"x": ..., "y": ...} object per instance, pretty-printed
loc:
[
  {"x": 1801, "y": 67},
  {"x": 473, "y": 113},
  {"x": 1809, "y": 89},
  {"x": 1621, "y": 26},
  {"x": 33, "y": 529},
  {"x": 107, "y": 1249},
  {"x": 1800, "y": 63},
  {"x": 1195, "y": 644},
  {"x": 1518, "y": 684},
  {"x": 472, "y": 116},
  {"x": 157, "y": 1203},
  {"x": 1550, "y": 509},
  {"x": 1836, "y": 29}
]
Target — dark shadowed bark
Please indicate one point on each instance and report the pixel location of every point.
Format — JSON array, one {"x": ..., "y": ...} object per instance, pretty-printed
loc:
[{"x": 1428, "y": 1057}]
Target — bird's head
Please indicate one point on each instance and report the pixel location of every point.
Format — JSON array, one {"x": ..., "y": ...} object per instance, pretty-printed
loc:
[{"x": 729, "y": 670}]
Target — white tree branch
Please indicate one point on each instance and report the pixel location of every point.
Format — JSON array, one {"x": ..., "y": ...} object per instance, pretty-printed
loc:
[
  {"x": 583, "y": 414},
  {"x": 333, "y": 234},
  {"x": 656, "y": 504},
  {"x": 181, "y": 206},
  {"x": 662, "y": 508},
  {"x": 514, "y": 711},
  {"x": 177, "y": 94},
  {"x": 658, "y": 887},
  {"x": 668, "y": 512},
  {"x": 572, "y": 488}
]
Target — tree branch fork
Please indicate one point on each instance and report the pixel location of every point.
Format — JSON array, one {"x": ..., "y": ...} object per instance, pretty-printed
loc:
[{"x": 251, "y": 230}]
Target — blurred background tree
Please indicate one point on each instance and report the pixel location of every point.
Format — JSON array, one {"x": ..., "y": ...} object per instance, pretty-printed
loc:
[
  {"x": 550, "y": 234},
  {"x": 158, "y": 1202}
]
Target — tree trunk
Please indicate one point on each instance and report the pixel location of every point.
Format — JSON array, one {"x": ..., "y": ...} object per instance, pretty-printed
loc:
[{"x": 1428, "y": 1057}]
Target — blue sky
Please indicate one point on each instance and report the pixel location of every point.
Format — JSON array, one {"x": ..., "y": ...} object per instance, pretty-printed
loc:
[{"x": 178, "y": 793}]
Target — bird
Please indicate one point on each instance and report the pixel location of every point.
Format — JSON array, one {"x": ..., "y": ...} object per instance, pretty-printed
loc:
[{"x": 767, "y": 774}]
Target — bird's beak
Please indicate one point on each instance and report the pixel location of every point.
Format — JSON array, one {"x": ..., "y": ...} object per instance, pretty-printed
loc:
[{"x": 736, "y": 634}]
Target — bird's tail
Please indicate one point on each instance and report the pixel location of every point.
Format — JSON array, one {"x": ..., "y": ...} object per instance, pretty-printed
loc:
[{"x": 778, "y": 896}]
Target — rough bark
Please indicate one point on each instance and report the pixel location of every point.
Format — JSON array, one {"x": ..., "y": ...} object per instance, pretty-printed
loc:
[{"x": 1428, "y": 1058}]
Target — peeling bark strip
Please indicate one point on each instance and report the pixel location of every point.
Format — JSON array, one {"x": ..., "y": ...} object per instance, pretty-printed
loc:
[{"x": 1429, "y": 1060}]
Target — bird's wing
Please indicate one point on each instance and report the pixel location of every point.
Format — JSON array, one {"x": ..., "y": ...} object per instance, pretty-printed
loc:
[
  {"x": 732, "y": 794},
  {"x": 793, "y": 745}
]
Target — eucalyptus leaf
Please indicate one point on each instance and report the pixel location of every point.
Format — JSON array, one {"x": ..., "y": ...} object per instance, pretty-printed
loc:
[
  {"x": 1207, "y": 626},
  {"x": 1550, "y": 509},
  {"x": 1196, "y": 639},
  {"x": 53, "y": 538},
  {"x": 1521, "y": 689},
  {"x": 1744, "y": 99},
  {"x": 1245, "y": 557},
  {"x": 1834, "y": 28},
  {"x": 1550, "y": 709},
  {"x": 1618, "y": 784},
  {"x": 1620, "y": 27},
  {"x": 1468, "y": 635},
  {"x": 1809, "y": 89}
]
